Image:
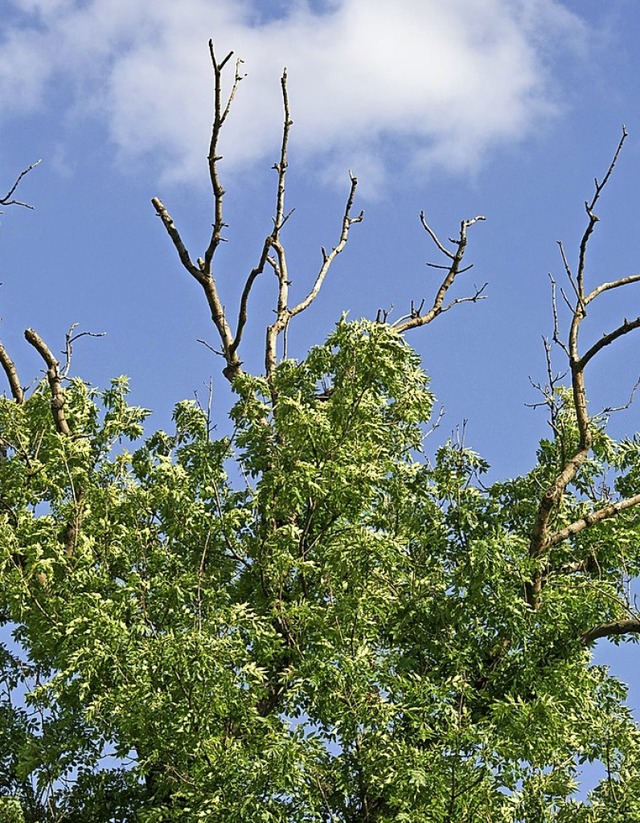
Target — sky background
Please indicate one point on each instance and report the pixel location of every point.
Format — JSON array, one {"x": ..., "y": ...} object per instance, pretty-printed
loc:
[{"x": 505, "y": 108}]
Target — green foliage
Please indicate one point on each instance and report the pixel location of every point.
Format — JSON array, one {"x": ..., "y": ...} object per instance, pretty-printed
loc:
[{"x": 309, "y": 620}]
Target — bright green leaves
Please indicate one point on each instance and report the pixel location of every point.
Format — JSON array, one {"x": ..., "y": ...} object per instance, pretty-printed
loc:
[{"x": 307, "y": 620}]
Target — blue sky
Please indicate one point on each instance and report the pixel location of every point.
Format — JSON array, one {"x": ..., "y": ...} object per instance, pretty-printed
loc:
[{"x": 506, "y": 108}]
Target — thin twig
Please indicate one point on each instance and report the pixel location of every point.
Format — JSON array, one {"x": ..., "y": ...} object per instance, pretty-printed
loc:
[
  {"x": 413, "y": 320},
  {"x": 6, "y": 200}
]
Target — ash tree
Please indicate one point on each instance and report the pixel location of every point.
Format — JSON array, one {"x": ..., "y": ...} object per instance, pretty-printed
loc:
[{"x": 314, "y": 618}]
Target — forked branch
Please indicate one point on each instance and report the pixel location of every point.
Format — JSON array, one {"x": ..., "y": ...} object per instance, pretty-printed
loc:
[
  {"x": 273, "y": 252},
  {"x": 543, "y": 536},
  {"x": 419, "y": 318},
  {"x": 8, "y": 200},
  {"x": 284, "y": 313}
]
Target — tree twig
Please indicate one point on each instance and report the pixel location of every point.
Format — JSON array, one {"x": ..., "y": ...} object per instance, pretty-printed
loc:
[
  {"x": 415, "y": 319},
  {"x": 6, "y": 200}
]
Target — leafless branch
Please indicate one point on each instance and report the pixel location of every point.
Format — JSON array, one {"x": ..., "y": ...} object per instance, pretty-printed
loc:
[
  {"x": 220, "y": 113},
  {"x": 593, "y": 219},
  {"x": 434, "y": 237},
  {"x": 568, "y": 272},
  {"x": 607, "y": 339},
  {"x": 12, "y": 375},
  {"x": 614, "y": 284},
  {"x": 283, "y": 313},
  {"x": 557, "y": 339},
  {"x": 7, "y": 199},
  {"x": 70, "y": 339},
  {"x": 415, "y": 319},
  {"x": 625, "y": 406},
  {"x": 273, "y": 251},
  {"x": 55, "y": 381},
  {"x": 543, "y": 537},
  {"x": 206, "y": 280}
]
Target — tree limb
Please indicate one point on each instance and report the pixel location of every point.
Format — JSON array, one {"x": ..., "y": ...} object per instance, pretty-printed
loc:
[
  {"x": 617, "y": 627},
  {"x": 415, "y": 319},
  {"x": 219, "y": 117},
  {"x": 542, "y": 537},
  {"x": 55, "y": 381},
  {"x": 12, "y": 375},
  {"x": 607, "y": 339},
  {"x": 606, "y": 513}
]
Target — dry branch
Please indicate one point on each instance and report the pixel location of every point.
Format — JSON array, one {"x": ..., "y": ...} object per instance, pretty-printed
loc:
[
  {"x": 543, "y": 537},
  {"x": 6, "y": 200},
  {"x": 284, "y": 313},
  {"x": 55, "y": 381},
  {"x": 12, "y": 375},
  {"x": 273, "y": 251},
  {"x": 416, "y": 318}
]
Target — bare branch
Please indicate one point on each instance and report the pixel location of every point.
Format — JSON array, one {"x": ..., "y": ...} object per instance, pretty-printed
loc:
[
  {"x": 542, "y": 536},
  {"x": 6, "y": 200},
  {"x": 625, "y": 406},
  {"x": 419, "y": 319},
  {"x": 556, "y": 326},
  {"x": 70, "y": 339},
  {"x": 328, "y": 258},
  {"x": 233, "y": 367},
  {"x": 220, "y": 114},
  {"x": 12, "y": 375},
  {"x": 284, "y": 314},
  {"x": 593, "y": 219},
  {"x": 614, "y": 284},
  {"x": 174, "y": 234},
  {"x": 246, "y": 291},
  {"x": 55, "y": 381},
  {"x": 607, "y": 339},
  {"x": 569, "y": 273},
  {"x": 434, "y": 237},
  {"x": 279, "y": 263}
]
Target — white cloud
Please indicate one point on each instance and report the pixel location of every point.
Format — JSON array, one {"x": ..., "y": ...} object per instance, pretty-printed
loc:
[{"x": 448, "y": 79}]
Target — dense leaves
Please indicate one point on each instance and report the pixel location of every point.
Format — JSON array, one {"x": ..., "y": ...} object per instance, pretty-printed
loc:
[{"x": 312, "y": 619}]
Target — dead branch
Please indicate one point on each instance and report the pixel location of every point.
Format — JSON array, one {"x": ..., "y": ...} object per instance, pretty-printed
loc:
[
  {"x": 201, "y": 271},
  {"x": 593, "y": 219},
  {"x": 279, "y": 263},
  {"x": 70, "y": 338},
  {"x": 284, "y": 314},
  {"x": 273, "y": 251},
  {"x": 415, "y": 319},
  {"x": 55, "y": 381},
  {"x": 220, "y": 114},
  {"x": 206, "y": 280},
  {"x": 607, "y": 339},
  {"x": 6, "y": 200},
  {"x": 12, "y": 375},
  {"x": 543, "y": 536}
]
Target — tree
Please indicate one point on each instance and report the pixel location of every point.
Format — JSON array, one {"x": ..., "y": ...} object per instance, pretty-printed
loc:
[{"x": 312, "y": 619}]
